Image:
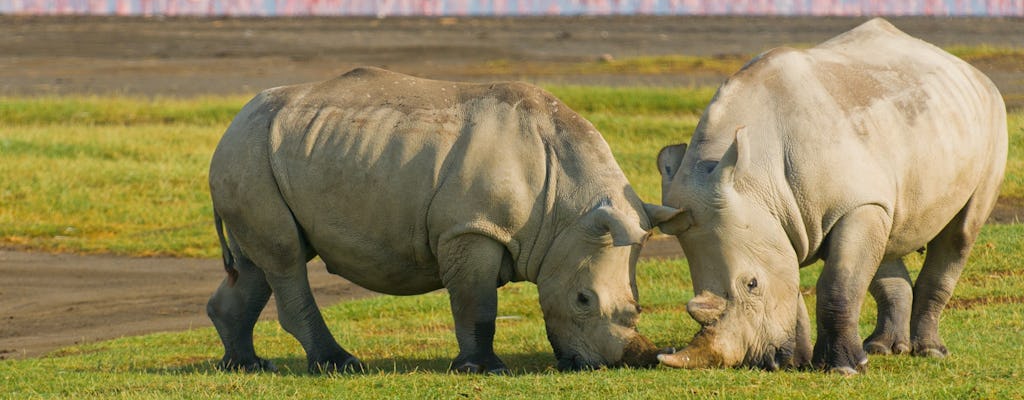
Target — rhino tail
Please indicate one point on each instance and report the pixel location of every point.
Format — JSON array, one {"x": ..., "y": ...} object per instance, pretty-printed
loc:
[{"x": 225, "y": 250}]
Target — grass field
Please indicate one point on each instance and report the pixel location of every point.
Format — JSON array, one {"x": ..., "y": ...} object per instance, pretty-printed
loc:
[
  {"x": 407, "y": 343},
  {"x": 128, "y": 176}
]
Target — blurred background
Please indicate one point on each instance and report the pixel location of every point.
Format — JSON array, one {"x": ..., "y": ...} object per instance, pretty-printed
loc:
[{"x": 383, "y": 8}]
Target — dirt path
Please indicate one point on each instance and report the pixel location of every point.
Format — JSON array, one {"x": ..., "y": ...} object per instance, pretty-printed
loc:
[{"x": 48, "y": 301}]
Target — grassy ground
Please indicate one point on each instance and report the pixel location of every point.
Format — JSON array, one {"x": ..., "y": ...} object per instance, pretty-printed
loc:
[
  {"x": 407, "y": 343},
  {"x": 129, "y": 176}
]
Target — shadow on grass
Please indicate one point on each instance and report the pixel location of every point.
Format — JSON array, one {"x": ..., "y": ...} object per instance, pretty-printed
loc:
[{"x": 519, "y": 364}]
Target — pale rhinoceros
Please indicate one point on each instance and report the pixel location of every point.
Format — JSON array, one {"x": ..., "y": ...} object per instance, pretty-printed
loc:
[
  {"x": 858, "y": 151},
  {"x": 405, "y": 185}
]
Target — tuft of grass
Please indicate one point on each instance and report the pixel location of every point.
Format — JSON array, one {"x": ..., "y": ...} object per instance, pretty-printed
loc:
[{"x": 407, "y": 343}]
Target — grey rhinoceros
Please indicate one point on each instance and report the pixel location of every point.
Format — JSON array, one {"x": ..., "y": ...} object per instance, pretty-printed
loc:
[
  {"x": 405, "y": 185},
  {"x": 859, "y": 151}
]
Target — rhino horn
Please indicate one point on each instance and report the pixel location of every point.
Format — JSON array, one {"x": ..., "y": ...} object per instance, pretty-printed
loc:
[
  {"x": 699, "y": 354},
  {"x": 706, "y": 308},
  {"x": 671, "y": 221},
  {"x": 625, "y": 231}
]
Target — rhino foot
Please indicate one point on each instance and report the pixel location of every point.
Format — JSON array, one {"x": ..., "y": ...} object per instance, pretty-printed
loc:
[
  {"x": 930, "y": 351},
  {"x": 480, "y": 365},
  {"x": 886, "y": 346},
  {"x": 341, "y": 363},
  {"x": 257, "y": 365},
  {"x": 841, "y": 356}
]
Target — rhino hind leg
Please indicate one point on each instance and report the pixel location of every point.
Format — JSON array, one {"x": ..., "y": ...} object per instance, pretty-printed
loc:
[
  {"x": 470, "y": 266},
  {"x": 267, "y": 234},
  {"x": 300, "y": 316},
  {"x": 944, "y": 261},
  {"x": 892, "y": 291},
  {"x": 234, "y": 309}
]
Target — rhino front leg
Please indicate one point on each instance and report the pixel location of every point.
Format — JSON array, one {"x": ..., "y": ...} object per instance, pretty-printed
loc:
[
  {"x": 234, "y": 309},
  {"x": 469, "y": 270},
  {"x": 891, "y": 290},
  {"x": 855, "y": 248}
]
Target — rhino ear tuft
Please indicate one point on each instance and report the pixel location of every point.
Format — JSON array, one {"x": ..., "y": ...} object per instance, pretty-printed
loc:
[
  {"x": 670, "y": 220},
  {"x": 624, "y": 230}
]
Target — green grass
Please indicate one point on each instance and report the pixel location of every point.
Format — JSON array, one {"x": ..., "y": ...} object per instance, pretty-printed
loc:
[
  {"x": 407, "y": 343},
  {"x": 128, "y": 175},
  {"x": 724, "y": 65}
]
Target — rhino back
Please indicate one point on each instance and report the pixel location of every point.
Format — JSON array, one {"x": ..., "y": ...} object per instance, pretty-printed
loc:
[{"x": 872, "y": 116}]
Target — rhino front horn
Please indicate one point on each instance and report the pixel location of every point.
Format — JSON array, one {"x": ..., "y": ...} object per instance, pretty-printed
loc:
[
  {"x": 690, "y": 358},
  {"x": 699, "y": 354}
]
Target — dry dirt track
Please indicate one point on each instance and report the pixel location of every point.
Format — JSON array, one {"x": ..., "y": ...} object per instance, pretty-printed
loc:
[
  {"x": 48, "y": 301},
  {"x": 53, "y": 300}
]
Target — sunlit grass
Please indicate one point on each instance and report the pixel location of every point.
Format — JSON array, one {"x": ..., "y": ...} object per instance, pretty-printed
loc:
[
  {"x": 647, "y": 65},
  {"x": 407, "y": 342},
  {"x": 128, "y": 175}
]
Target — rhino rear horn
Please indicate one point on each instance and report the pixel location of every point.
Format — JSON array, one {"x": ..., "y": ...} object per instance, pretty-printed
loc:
[{"x": 706, "y": 308}]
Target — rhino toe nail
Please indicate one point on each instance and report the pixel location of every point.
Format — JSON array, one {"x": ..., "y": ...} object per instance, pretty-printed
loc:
[{"x": 877, "y": 348}]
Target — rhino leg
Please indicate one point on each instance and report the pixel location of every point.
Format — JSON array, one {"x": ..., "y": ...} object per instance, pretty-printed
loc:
[
  {"x": 234, "y": 309},
  {"x": 892, "y": 292},
  {"x": 300, "y": 316},
  {"x": 855, "y": 248},
  {"x": 944, "y": 261},
  {"x": 470, "y": 265},
  {"x": 267, "y": 234}
]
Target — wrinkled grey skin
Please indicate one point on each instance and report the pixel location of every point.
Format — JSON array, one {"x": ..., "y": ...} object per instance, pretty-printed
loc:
[
  {"x": 403, "y": 186},
  {"x": 859, "y": 151}
]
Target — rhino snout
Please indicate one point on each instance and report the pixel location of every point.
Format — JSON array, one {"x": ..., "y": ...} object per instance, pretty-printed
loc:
[{"x": 640, "y": 352}]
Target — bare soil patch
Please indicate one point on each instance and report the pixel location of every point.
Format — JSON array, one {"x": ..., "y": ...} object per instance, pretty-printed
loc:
[{"x": 48, "y": 301}]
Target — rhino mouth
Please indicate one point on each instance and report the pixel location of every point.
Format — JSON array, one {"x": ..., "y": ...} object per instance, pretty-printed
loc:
[{"x": 773, "y": 359}]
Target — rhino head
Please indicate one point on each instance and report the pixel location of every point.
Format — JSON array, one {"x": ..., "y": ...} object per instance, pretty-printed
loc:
[
  {"x": 744, "y": 268},
  {"x": 587, "y": 291}
]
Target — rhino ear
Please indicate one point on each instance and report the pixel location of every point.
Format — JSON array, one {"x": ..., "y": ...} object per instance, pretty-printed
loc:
[
  {"x": 735, "y": 159},
  {"x": 670, "y": 159},
  {"x": 671, "y": 221},
  {"x": 624, "y": 230}
]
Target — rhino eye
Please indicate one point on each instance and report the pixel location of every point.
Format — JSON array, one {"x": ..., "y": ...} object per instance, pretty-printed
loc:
[
  {"x": 752, "y": 284},
  {"x": 582, "y": 298}
]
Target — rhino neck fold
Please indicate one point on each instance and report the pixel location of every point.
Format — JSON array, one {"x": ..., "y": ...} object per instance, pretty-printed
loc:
[{"x": 532, "y": 257}]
